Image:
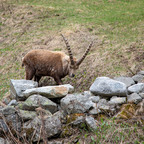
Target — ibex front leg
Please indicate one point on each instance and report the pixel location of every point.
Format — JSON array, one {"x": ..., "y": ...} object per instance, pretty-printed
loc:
[{"x": 58, "y": 80}]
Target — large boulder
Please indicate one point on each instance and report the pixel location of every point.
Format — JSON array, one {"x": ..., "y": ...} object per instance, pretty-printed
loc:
[
  {"x": 49, "y": 91},
  {"x": 17, "y": 87},
  {"x": 35, "y": 101},
  {"x": 76, "y": 103},
  {"x": 105, "y": 86}
]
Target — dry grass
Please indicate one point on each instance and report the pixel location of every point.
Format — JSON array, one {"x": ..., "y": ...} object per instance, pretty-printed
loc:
[{"x": 25, "y": 27}]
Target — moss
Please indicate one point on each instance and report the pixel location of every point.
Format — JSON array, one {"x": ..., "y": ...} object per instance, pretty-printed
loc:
[
  {"x": 127, "y": 111},
  {"x": 20, "y": 106},
  {"x": 73, "y": 117},
  {"x": 66, "y": 131}
]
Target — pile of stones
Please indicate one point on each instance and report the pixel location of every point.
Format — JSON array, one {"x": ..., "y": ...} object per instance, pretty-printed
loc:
[{"x": 33, "y": 112}]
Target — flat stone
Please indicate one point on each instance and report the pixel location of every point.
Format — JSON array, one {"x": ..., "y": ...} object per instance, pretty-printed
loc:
[
  {"x": 35, "y": 101},
  {"x": 50, "y": 91},
  {"x": 17, "y": 87},
  {"x": 134, "y": 97},
  {"x": 126, "y": 80},
  {"x": 117, "y": 100},
  {"x": 105, "y": 86},
  {"x": 137, "y": 88}
]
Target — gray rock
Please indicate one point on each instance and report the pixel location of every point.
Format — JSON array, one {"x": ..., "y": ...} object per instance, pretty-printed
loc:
[
  {"x": 126, "y": 80},
  {"x": 95, "y": 111},
  {"x": 80, "y": 120},
  {"x": 105, "y": 86},
  {"x": 35, "y": 101},
  {"x": 103, "y": 105},
  {"x": 94, "y": 99},
  {"x": 138, "y": 78},
  {"x": 6, "y": 100},
  {"x": 117, "y": 100},
  {"x": 141, "y": 73},
  {"x": 3, "y": 127},
  {"x": 13, "y": 103},
  {"x": 4, "y": 141},
  {"x": 134, "y": 97},
  {"x": 55, "y": 142},
  {"x": 8, "y": 110},
  {"x": 12, "y": 117},
  {"x": 17, "y": 87},
  {"x": 137, "y": 88},
  {"x": 91, "y": 123},
  {"x": 87, "y": 93},
  {"x": 76, "y": 103},
  {"x": 52, "y": 127},
  {"x": 27, "y": 115},
  {"x": 141, "y": 95},
  {"x": 50, "y": 91}
]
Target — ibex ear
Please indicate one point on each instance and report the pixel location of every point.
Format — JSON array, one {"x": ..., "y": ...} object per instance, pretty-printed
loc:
[
  {"x": 85, "y": 54},
  {"x": 69, "y": 50}
]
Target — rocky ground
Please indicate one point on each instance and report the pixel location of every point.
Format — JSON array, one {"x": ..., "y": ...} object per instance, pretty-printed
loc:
[{"x": 49, "y": 114}]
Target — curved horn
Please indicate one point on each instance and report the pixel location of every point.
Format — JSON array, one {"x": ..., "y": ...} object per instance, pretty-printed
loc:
[
  {"x": 85, "y": 54},
  {"x": 69, "y": 50}
]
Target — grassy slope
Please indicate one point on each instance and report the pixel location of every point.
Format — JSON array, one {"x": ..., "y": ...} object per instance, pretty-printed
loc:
[{"x": 116, "y": 25}]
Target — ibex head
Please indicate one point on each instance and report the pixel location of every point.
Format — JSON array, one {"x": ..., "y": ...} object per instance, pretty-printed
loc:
[{"x": 74, "y": 64}]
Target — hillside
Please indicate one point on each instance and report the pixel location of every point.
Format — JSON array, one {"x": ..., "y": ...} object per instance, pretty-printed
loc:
[{"x": 116, "y": 26}]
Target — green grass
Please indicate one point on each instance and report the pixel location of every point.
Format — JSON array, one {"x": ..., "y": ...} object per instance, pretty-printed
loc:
[{"x": 116, "y": 19}]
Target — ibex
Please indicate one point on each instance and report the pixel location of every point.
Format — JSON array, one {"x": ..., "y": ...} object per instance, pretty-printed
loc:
[{"x": 56, "y": 64}]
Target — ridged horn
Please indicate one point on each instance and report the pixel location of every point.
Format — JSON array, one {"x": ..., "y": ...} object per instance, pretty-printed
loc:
[
  {"x": 85, "y": 54},
  {"x": 69, "y": 50}
]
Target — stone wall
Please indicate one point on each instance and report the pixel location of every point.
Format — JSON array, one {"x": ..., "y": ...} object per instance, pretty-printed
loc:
[{"x": 36, "y": 113}]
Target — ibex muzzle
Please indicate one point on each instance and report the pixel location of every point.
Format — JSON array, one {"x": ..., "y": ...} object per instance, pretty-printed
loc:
[{"x": 40, "y": 63}]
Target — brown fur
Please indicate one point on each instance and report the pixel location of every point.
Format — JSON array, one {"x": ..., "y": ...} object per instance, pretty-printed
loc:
[{"x": 40, "y": 63}]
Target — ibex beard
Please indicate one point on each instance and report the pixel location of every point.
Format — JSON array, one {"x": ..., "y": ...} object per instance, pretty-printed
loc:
[{"x": 42, "y": 62}]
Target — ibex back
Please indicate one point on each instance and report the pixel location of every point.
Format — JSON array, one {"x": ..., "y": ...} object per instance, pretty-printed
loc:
[{"x": 41, "y": 62}]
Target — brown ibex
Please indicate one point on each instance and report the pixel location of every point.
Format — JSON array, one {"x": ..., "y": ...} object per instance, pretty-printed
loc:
[{"x": 41, "y": 62}]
